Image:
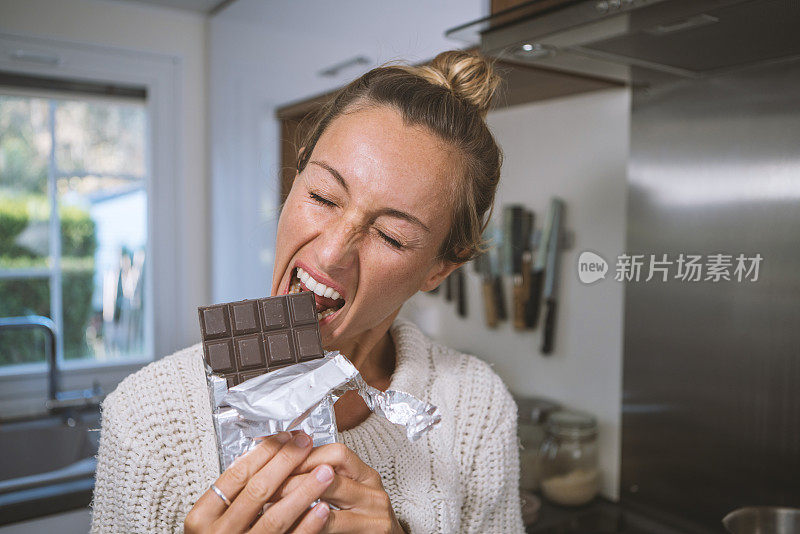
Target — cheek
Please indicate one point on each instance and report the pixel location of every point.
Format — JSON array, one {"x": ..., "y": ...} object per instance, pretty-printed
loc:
[
  {"x": 295, "y": 225},
  {"x": 392, "y": 276}
]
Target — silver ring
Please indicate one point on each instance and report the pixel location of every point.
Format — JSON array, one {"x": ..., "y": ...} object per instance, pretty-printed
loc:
[{"x": 221, "y": 495}]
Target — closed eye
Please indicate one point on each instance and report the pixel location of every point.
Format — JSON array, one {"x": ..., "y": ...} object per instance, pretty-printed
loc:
[
  {"x": 321, "y": 200},
  {"x": 393, "y": 242}
]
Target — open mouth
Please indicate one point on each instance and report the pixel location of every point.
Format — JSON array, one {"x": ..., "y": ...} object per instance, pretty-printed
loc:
[{"x": 329, "y": 301}]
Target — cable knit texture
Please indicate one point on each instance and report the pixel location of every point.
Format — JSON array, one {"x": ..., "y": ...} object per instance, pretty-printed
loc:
[{"x": 158, "y": 451}]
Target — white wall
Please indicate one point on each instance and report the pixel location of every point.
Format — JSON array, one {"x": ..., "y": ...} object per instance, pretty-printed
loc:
[
  {"x": 165, "y": 31},
  {"x": 575, "y": 148}
]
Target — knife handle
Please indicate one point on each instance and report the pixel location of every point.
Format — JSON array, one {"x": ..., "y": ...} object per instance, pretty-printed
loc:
[
  {"x": 549, "y": 326},
  {"x": 461, "y": 293},
  {"x": 499, "y": 298},
  {"x": 521, "y": 291},
  {"x": 489, "y": 303},
  {"x": 534, "y": 298}
]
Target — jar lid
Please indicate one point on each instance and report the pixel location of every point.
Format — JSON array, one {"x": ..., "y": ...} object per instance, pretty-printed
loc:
[
  {"x": 572, "y": 424},
  {"x": 534, "y": 410}
]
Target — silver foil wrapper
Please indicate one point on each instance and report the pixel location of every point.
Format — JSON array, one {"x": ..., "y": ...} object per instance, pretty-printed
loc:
[{"x": 301, "y": 397}]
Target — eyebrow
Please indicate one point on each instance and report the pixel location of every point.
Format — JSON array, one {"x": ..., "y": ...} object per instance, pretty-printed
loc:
[{"x": 390, "y": 212}]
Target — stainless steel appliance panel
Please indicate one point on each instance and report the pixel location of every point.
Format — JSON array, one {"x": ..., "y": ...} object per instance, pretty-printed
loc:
[{"x": 711, "y": 384}]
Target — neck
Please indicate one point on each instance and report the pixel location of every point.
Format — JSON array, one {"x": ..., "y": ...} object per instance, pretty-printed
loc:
[{"x": 372, "y": 352}]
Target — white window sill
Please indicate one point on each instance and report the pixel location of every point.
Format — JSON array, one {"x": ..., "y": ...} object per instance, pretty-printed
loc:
[{"x": 23, "y": 388}]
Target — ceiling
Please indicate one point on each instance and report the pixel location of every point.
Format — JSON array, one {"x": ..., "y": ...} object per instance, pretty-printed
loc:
[
  {"x": 198, "y": 6},
  {"x": 281, "y": 47}
]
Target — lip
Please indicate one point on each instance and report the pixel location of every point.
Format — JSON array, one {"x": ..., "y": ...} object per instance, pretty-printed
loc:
[
  {"x": 319, "y": 277},
  {"x": 315, "y": 274}
]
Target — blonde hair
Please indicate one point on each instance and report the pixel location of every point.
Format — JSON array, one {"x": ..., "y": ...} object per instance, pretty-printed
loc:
[{"x": 451, "y": 97}]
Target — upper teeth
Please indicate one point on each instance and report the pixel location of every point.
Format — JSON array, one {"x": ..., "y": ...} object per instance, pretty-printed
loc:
[{"x": 317, "y": 287}]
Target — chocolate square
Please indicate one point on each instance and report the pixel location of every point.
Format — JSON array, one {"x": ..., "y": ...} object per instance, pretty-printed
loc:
[
  {"x": 245, "y": 317},
  {"x": 250, "y": 351},
  {"x": 244, "y": 339},
  {"x": 219, "y": 355},
  {"x": 214, "y": 322},
  {"x": 304, "y": 308},
  {"x": 309, "y": 344},
  {"x": 279, "y": 348},
  {"x": 249, "y": 374},
  {"x": 274, "y": 313}
]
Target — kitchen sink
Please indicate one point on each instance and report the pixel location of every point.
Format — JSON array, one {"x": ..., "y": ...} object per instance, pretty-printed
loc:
[{"x": 48, "y": 464}]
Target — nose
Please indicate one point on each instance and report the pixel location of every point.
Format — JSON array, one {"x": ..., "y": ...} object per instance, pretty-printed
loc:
[{"x": 337, "y": 243}]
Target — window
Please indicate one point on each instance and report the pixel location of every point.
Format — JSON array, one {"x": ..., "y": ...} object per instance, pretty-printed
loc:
[
  {"x": 83, "y": 264},
  {"x": 132, "y": 102}
]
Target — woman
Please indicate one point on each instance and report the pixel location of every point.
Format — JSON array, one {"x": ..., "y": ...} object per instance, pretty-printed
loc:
[{"x": 395, "y": 182}]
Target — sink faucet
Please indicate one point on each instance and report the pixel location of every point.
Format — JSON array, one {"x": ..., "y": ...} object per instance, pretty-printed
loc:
[{"x": 55, "y": 401}]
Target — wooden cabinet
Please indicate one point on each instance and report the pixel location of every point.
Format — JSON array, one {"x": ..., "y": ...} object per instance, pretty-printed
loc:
[{"x": 521, "y": 84}]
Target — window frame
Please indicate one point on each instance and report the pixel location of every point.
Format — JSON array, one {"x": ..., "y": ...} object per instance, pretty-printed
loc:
[{"x": 22, "y": 389}]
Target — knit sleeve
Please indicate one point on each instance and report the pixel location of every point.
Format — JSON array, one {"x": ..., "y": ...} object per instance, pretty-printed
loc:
[
  {"x": 151, "y": 462},
  {"x": 492, "y": 501},
  {"x": 116, "y": 465}
]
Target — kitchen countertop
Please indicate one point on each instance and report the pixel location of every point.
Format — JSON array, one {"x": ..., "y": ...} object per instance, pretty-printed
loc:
[{"x": 600, "y": 516}]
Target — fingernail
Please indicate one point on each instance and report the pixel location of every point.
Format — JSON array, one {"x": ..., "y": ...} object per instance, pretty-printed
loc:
[
  {"x": 322, "y": 510},
  {"x": 323, "y": 473},
  {"x": 302, "y": 440},
  {"x": 283, "y": 437}
]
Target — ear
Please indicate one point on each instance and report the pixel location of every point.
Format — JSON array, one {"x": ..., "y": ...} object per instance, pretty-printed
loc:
[{"x": 440, "y": 270}]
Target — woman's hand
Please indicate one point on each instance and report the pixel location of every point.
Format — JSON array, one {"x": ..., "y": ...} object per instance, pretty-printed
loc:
[
  {"x": 356, "y": 489},
  {"x": 252, "y": 481}
]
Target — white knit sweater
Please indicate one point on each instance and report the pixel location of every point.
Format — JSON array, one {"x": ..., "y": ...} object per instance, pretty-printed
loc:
[{"x": 158, "y": 452}]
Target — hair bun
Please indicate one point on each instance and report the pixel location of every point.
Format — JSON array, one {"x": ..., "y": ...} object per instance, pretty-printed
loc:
[{"x": 470, "y": 76}]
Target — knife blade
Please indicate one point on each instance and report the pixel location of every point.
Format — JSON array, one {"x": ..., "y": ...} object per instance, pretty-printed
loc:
[
  {"x": 551, "y": 275},
  {"x": 537, "y": 276},
  {"x": 461, "y": 292}
]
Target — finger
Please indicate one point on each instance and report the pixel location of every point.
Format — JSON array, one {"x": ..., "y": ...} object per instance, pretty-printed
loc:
[
  {"x": 209, "y": 506},
  {"x": 343, "y": 491},
  {"x": 314, "y": 521},
  {"x": 342, "y": 521},
  {"x": 345, "y": 521},
  {"x": 283, "y": 514},
  {"x": 344, "y": 462},
  {"x": 263, "y": 484}
]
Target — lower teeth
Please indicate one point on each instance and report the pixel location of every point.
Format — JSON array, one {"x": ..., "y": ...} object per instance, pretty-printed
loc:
[{"x": 321, "y": 315}]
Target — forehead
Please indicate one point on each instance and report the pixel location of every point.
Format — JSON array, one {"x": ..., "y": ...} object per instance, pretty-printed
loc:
[{"x": 389, "y": 163}]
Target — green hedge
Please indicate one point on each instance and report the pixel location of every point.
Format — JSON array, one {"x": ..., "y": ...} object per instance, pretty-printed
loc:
[
  {"x": 78, "y": 232},
  {"x": 26, "y": 296}
]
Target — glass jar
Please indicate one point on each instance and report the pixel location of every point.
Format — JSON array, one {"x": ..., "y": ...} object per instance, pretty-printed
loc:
[
  {"x": 533, "y": 413},
  {"x": 568, "y": 458}
]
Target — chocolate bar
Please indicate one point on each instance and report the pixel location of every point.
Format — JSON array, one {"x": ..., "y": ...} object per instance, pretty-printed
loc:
[{"x": 247, "y": 338}]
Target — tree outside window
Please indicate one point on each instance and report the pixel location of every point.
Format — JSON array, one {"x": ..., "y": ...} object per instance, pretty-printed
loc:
[{"x": 82, "y": 264}]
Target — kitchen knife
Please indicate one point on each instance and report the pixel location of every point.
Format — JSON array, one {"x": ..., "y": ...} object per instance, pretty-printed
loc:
[
  {"x": 497, "y": 284},
  {"x": 523, "y": 279},
  {"x": 537, "y": 276},
  {"x": 484, "y": 267},
  {"x": 517, "y": 224},
  {"x": 461, "y": 292},
  {"x": 551, "y": 275}
]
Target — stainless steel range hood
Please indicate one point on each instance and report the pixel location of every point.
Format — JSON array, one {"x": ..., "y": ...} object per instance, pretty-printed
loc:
[{"x": 664, "y": 39}]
